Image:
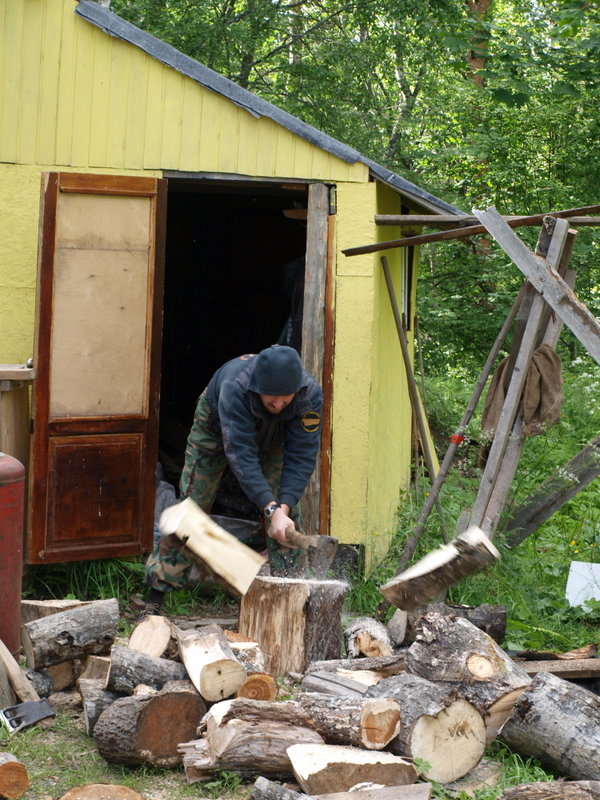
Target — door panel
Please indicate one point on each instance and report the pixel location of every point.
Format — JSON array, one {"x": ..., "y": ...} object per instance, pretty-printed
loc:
[{"x": 95, "y": 400}]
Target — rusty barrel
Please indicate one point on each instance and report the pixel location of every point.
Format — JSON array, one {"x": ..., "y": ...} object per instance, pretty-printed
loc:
[{"x": 12, "y": 505}]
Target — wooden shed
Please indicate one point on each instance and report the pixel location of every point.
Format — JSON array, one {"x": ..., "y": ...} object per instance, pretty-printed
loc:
[{"x": 157, "y": 219}]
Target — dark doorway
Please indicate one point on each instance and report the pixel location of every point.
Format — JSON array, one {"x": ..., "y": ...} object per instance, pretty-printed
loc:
[{"x": 233, "y": 278}]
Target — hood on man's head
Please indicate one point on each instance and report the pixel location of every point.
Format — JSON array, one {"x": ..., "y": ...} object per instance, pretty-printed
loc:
[{"x": 277, "y": 371}]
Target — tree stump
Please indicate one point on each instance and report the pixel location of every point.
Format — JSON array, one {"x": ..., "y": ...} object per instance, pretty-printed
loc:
[
  {"x": 558, "y": 723},
  {"x": 128, "y": 668},
  {"x": 14, "y": 780},
  {"x": 436, "y": 726},
  {"x": 295, "y": 621},
  {"x": 147, "y": 729},
  {"x": 322, "y": 769},
  {"x": 210, "y": 663},
  {"x": 75, "y": 633}
]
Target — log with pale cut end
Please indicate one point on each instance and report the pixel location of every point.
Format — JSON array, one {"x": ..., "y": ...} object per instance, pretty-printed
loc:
[
  {"x": 146, "y": 729},
  {"x": 128, "y": 668},
  {"x": 366, "y": 636},
  {"x": 286, "y": 617},
  {"x": 233, "y": 561},
  {"x": 101, "y": 791},
  {"x": 210, "y": 662},
  {"x": 151, "y": 636},
  {"x": 76, "y": 633},
  {"x": 557, "y": 722},
  {"x": 322, "y": 769},
  {"x": 554, "y": 790},
  {"x": 436, "y": 726},
  {"x": 14, "y": 780},
  {"x": 95, "y": 699},
  {"x": 258, "y": 686},
  {"x": 469, "y": 552}
]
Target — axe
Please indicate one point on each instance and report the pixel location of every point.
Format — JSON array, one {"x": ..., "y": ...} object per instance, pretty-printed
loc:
[{"x": 320, "y": 549}]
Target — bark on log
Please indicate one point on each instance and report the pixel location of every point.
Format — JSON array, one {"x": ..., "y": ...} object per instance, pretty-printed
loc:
[
  {"x": 436, "y": 725},
  {"x": 7, "y": 695},
  {"x": 285, "y": 616},
  {"x": 258, "y": 686},
  {"x": 334, "y": 684},
  {"x": 322, "y": 769},
  {"x": 386, "y": 665},
  {"x": 489, "y": 619},
  {"x": 469, "y": 552},
  {"x": 366, "y": 636},
  {"x": 101, "y": 791},
  {"x": 558, "y": 723},
  {"x": 95, "y": 699},
  {"x": 213, "y": 669},
  {"x": 265, "y": 789},
  {"x": 14, "y": 780},
  {"x": 249, "y": 654},
  {"x": 76, "y": 633},
  {"x": 36, "y": 609},
  {"x": 129, "y": 668},
  {"x": 396, "y": 626},
  {"x": 554, "y": 790},
  {"x": 151, "y": 636},
  {"x": 147, "y": 729}
]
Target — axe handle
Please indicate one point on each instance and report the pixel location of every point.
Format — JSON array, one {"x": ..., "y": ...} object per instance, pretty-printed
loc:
[{"x": 300, "y": 540}]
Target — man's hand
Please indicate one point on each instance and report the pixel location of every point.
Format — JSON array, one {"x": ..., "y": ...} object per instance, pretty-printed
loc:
[{"x": 279, "y": 522}]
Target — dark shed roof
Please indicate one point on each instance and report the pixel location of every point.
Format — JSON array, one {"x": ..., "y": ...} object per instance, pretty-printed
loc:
[{"x": 109, "y": 22}]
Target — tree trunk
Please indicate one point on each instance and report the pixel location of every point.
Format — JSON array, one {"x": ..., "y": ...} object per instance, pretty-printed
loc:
[
  {"x": 94, "y": 699},
  {"x": 436, "y": 726},
  {"x": 322, "y": 769},
  {"x": 14, "y": 780},
  {"x": 214, "y": 670},
  {"x": 128, "y": 669},
  {"x": 558, "y": 723},
  {"x": 366, "y": 636},
  {"x": 151, "y": 636},
  {"x": 258, "y": 686},
  {"x": 428, "y": 578},
  {"x": 554, "y": 790},
  {"x": 285, "y": 616},
  {"x": 75, "y": 633},
  {"x": 147, "y": 729}
]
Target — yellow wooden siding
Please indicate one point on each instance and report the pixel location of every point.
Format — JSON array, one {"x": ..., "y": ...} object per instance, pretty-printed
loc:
[{"x": 73, "y": 96}]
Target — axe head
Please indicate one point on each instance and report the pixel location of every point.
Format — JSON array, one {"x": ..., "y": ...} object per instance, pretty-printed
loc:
[{"x": 321, "y": 553}]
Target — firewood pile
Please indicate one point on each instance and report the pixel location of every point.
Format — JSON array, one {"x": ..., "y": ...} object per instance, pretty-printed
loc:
[{"x": 414, "y": 702}]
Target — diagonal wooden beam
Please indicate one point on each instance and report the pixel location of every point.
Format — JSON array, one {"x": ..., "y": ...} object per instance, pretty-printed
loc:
[{"x": 544, "y": 277}]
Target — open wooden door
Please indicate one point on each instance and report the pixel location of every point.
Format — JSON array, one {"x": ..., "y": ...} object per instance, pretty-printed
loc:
[{"x": 97, "y": 362}]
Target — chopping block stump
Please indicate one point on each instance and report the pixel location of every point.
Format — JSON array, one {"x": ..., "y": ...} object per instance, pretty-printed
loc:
[{"x": 294, "y": 620}]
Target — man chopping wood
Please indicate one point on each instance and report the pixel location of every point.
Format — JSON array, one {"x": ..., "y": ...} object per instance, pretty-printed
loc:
[{"x": 261, "y": 415}]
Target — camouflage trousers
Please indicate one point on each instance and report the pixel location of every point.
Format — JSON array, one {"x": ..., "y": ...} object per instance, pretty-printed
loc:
[{"x": 169, "y": 564}]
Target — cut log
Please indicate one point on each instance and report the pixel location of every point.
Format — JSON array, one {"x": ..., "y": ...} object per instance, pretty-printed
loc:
[
  {"x": 366, "y": 636},
  {"x": 258, "y": 686},
  {"x": 285, "y": 616},
  {"x": 321, "y": 769},
  {"x": 128, "y": 668},
  {"x": 209, "y": 660},
  {"x": 334, "y": 683},
  {"x": 151, "y": 636},
  {"x": 265, "y": 789},
  {"x": 41, "y": 680},
  {"x": 554, "y": 790},
  {"x": 385, "y": 665},
  {"x": 86, "y": 630},
  {"x": 558, "y": 723},
  {"x": 147, "y": 729},
  {"x": 101, "y": 791},
  {"x": 569, "y": 670},
  {"x": 489, "y": 619},
  {"x": 94, "y": 699},
  {"x": 469, "y": 552},
  {"x": 436, "y": 726},
  {"x": 233, "y": 561},
  {"x": 453, "y": 650},
  {"x": 96, "y": 668},
  {"x": 35, "y": 609},
  {"x": 14, "y": 780}
]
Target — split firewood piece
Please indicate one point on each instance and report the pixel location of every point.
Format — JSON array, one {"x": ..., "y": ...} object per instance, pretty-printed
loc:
[
  {"x": 96, "y": 668},
  {"x": 258, "y": 686},
  {"x": 368, "y": 637},
  {"x": 384, "y": 665},
  {"x": 285, "y": 616},
  {"x": 128, "y": 668},
  {"x": 101, "y": 791},
  {"x": 322, "y": 769},
  {"x": 558, "y": 723},
  {"x": 146, "y": 729},
  {"x": 209, "y": 660},
  {"x": 151, "y": 636},
  {"x": 7, "y": 695},
  {"x": 265, "y": 789},
  {"x": 349, "y": 684},
  {"x": 469, "y": 552},
  {"x": 453, "y": 650},
  {"x": 95, "y": 699},
  {"x": 14, "y": 780},
  {"x": 397, "y": 625},
  {"x": 436, "y": 726},
  {"x": 76, "y": 633},
  {"x": 233, "y": 561},
  {"x": 554, "y": 790},
  {"x": 490, "y": 619}
]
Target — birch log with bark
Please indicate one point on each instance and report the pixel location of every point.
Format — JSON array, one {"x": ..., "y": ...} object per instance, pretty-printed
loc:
[
  {"x": 86, "y": 630},
  {"x": 436, "y": 725},
  {"x": 128, "y": 669},
  {"x": 558, "y": 723},
  {"x": 210, "y": 662}
]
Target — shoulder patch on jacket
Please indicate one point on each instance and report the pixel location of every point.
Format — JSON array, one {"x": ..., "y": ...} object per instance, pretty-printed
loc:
[{"x": 310, "y": 421}]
